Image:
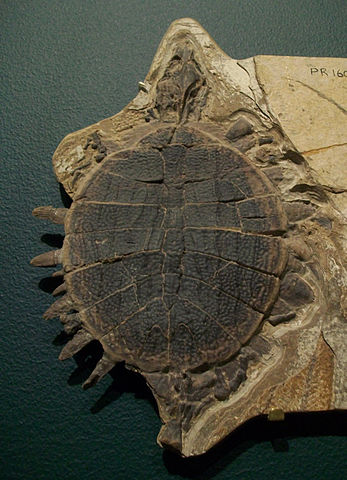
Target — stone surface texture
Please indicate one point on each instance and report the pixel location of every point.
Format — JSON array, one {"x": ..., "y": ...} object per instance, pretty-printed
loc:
[{"x": 284, "y": 120}]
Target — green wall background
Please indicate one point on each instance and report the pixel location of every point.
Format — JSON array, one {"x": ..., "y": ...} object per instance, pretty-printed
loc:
[{"x": 64, "y": 65}]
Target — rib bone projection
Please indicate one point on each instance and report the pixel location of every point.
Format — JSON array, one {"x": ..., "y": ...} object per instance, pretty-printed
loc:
[
  {"x": 55, "y": 215},
  {"x": 47, "y": 259}
]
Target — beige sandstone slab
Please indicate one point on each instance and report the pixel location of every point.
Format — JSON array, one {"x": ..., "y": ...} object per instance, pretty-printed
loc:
[{"x": 309, "y": 98}]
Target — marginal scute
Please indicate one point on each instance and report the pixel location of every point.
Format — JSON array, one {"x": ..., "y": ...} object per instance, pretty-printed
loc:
[
  {"x": 55, "y": 215},
  {"x": 60, "y": 289},
  {"x": 295, "y": 290},
  {"x": 60, "y": 306},
  {"x": 240, "y": 128},
  {"x": 47, "y": 259},
  {"x": 80, "y": 340},
  {"x": 71, "y": 322},
  {"x": 104, "y": 365}
]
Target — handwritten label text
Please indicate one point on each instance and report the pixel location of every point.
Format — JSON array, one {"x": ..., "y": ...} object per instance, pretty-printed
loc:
[{"x": 328, "y": 72}]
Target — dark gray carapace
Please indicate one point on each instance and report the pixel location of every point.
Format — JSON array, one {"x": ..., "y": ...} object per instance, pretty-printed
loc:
[{"x": 172, "y": 253}]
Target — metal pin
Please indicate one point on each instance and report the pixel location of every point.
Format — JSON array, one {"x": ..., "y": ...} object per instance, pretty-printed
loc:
[{"x": 275, "y": 415}]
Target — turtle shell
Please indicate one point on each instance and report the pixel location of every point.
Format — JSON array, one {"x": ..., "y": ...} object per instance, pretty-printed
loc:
[{"x": 173, "y": 251}]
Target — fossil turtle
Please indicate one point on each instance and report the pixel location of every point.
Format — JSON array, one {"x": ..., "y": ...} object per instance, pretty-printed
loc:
[{"x": 174, "y": 254}]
